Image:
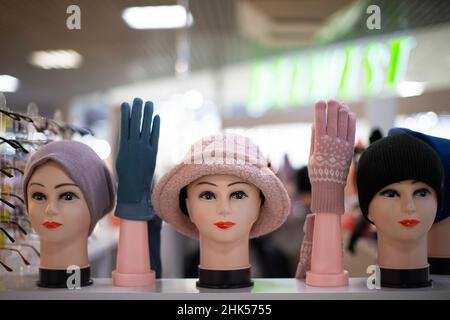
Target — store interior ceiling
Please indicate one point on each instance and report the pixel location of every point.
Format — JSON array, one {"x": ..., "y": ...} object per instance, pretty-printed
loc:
[{"x": 223, "y": 33}]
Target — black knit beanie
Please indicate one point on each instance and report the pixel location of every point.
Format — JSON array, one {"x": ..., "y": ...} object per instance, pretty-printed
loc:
[{"x": 393, "y": 159}]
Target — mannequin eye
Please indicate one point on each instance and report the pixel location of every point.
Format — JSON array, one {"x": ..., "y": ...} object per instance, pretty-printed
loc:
[
  {"x": 207, "y": 195},
  {"x": 422, "y": 192},
  {"x": 68, "y": 196},
  {"x": 389, "y": 193},
  {"x": 238, "y": 195},
  {"x": 39, "y": 196}
]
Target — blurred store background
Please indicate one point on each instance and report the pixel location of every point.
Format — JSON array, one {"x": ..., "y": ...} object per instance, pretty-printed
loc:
[{"x": 254, "y": 67}]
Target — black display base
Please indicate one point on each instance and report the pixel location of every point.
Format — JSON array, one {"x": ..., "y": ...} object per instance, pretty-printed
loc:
[
  {"x": 439, "y": 265},
  {"x": 57, "y": 278},
  {"x": 405, "y": 278},
  {"x": 224, "y": 279}
]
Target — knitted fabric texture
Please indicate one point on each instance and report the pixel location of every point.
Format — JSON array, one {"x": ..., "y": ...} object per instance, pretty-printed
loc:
[
  {"x": 333, "y": 139},
  {"x": 228, "y": 154},
  {"x": 304, "y": 263},
  {"x": 331, "y": 161},
  {"x": 84, "y": 167},
  {"x": 394, "y": 159}
]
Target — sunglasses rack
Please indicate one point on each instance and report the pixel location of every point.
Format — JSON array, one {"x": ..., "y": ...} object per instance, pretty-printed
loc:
[{"x": 20, "y": 136}]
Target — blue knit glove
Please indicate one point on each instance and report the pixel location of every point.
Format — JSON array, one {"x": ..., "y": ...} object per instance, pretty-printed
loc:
[{"x": 135, "y": 164}]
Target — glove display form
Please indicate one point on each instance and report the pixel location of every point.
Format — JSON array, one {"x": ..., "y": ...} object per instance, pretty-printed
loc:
[
  {"x": 136, "y": 161},
  {"x": 135, "y": 167},
  {"x": 332, "y": 144}
]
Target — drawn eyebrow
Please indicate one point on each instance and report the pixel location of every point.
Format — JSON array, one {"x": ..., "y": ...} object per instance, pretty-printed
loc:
[
  {"x": 237, "y": 182},
  {"x": 205, "y": 182},
  {"x": 38, "y": 184},
  {"x": 66, "y": 184}
]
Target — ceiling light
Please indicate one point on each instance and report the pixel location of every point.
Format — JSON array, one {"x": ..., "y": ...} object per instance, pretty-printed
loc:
[
  {"x": 8, "y": 83},
  {"x": 410, "y": 88},
  {"x": 56, "y": 59},
  {"x": 157, "y": 17}
]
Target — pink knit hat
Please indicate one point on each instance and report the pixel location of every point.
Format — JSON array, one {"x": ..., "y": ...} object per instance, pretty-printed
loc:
[{"x": 222, "y": 154}]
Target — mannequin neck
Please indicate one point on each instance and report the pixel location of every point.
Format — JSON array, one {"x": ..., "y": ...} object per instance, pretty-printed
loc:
[
  {"x": 224, "y": 255},
  {"x": 60, "y": 255},
  {"x": 402, "y": 254}
]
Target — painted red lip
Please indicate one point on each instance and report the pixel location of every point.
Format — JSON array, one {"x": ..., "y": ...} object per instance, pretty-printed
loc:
[
  {"x": 409, "y": 223},
  {"x": 51, "y": 225},
  {"x": 224, "y": 224}
]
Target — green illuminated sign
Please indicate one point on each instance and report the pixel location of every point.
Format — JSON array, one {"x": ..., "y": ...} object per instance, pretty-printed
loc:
[{"x": 344, "y": 72}]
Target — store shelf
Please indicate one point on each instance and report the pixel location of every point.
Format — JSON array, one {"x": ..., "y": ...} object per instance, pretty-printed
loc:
[{"x": 185, "y": 289}]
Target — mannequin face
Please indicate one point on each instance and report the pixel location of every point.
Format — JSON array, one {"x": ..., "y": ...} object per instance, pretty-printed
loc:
[
  {"x": 57, "y": 208},
  {"x": 404, "y": 210},
  {"x": 223, "y": 207}
]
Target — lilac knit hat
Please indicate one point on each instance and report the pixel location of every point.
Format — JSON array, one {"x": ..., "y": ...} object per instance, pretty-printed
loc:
[
  {"x": 222, "y": 154},
  {"x": 85, "y": 168}
]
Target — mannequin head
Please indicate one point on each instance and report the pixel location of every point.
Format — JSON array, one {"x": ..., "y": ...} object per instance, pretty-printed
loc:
[
  {"x": 439, "y": 234},
  {"x": 404, "y": 210},
  {"x": 223, "y": 193},
  {"x": 400, "y": 180},
  {"x": 76, "y": 162},
  {"x": 402, "y": 162},
  {"x": 223, "y": 207},
  {"x": 442, "y": 148},
  {"x": 67, "y": 189},
  {"x": 58, "y": 210},
  {"x": 226, "y": 158}
]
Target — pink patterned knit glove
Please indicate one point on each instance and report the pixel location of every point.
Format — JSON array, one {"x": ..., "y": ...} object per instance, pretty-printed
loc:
[
  {"x": 304, "y": 263},
  {"x": 332, "y": 144}
]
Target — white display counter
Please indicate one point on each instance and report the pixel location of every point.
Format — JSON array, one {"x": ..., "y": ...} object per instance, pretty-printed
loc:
[{"x": 16, "y": 287}]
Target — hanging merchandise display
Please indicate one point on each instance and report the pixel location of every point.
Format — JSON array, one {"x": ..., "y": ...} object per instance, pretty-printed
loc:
[
  {"x": 223, "y": 193},
  {"x": 18, "y": 140}
]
